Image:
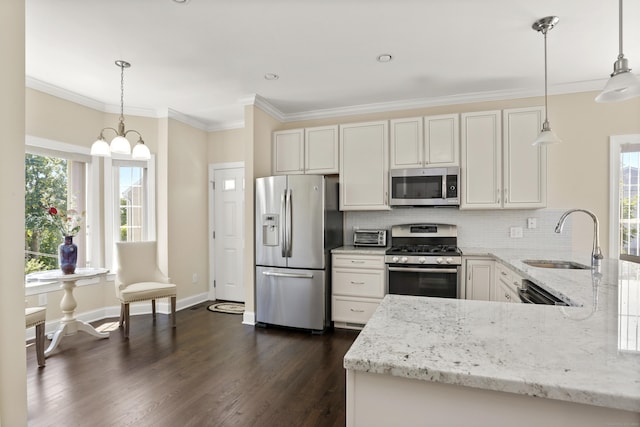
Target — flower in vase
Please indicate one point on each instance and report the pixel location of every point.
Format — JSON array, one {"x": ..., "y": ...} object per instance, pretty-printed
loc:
[{"x": 68, "y": 223}]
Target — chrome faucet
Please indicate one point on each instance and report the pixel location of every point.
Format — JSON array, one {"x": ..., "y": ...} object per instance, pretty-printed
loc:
[{"x": 596, "y": 253}]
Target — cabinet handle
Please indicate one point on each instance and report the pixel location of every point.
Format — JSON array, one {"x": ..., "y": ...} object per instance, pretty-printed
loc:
[
  {"x": 356, "y": 311},
  {"x": 498, "y": 194},
  {"x": 357, "y": 283},
  {"x": 507, "y": 296},
  {"x": 504, "y": 273},
  {"x": 506, "y": 195},
  {"x": 356, "y": 262}
]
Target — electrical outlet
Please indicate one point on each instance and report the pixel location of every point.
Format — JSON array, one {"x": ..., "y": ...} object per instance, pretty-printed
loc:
[
  {"x": 194, "y": 278},
  {"x": 532, "y": 223},
  {"x": 515, "y": 232}
]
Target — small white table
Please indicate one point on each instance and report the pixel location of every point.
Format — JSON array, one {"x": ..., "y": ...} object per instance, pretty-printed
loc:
[{"x": 69, "y": 325}]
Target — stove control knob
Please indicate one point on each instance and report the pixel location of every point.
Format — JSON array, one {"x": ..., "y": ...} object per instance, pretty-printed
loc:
[
  {"x": 404, "y": 259},
  {"x": 449, "y": 260},
  {"x": 422, "y": 260},
  {"x": 395, "y": 259},
  {"x": 439, "y": 260}
]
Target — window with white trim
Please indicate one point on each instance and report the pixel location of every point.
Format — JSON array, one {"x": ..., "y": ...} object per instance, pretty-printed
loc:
[
  {"x": 625, "y": 198},
  {"x": 58, "y": 177},
  {"x": 129, "y": 203}
]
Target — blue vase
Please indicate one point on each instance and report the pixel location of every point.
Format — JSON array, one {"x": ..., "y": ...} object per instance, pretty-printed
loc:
[{"x": 68, "y": 255}]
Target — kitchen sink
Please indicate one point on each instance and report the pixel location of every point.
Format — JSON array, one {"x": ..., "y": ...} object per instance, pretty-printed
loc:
[{"x": 548, "y": 263}]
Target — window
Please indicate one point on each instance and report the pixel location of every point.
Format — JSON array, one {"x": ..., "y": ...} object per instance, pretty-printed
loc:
[
  {"x": 129, "y": 203},
  {"x": 56, "y": 175},
  {"x": 625, "y": 181}
]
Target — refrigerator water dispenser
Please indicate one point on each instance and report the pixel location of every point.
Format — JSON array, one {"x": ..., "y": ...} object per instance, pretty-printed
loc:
[{"x": 270, "y": 230}]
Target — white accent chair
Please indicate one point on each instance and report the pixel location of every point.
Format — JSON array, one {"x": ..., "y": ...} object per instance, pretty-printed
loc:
[
  {"x": 36, "y": 316},
  {"x": 139, "y": 278}
]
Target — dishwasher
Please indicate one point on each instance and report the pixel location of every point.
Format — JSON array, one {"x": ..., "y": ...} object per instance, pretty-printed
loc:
[{"x": 530, "y": 293}]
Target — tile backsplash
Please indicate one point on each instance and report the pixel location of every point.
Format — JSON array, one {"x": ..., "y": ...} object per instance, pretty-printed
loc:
[{"x": 477, "y": 228}]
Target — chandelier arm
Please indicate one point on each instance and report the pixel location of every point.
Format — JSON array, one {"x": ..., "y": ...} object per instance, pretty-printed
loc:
[
  {"x": 133, "y": 130},
  {"x": 108, "y": 128}
]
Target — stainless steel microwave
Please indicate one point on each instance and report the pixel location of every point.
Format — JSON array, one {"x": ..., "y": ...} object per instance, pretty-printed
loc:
[{"x": 424, "y": 187}]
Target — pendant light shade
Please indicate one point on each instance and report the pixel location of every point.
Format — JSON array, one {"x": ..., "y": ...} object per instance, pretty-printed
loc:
[
  {"x": 120, "y": 144},
  {"x": 547, "y": 135},
  {"x": 623, "y": 84}
]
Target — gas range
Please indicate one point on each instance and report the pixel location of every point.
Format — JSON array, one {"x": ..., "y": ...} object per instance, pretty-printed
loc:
[{"x": 424, "y": 244}]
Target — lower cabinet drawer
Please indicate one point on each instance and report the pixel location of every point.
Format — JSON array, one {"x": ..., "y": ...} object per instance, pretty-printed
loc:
[
  {"x": 358, "y": 283},
  {"x": 352, "y": 310}
]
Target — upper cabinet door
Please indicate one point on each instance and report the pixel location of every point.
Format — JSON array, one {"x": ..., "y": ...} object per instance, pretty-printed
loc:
[
  {"x": 288, "y": 152},
  {"x": 442, "y": 140},
  {"x": 406, "y": 143},
  {"x": 321, "y": 150},
  {"x": 364, "y": 166},
  {"x": 524, "y": 166},
  {"x": 481, "y": 160}
]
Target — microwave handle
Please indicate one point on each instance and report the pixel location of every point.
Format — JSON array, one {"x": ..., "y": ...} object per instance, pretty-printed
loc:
[{"x": 444, "y": 186}]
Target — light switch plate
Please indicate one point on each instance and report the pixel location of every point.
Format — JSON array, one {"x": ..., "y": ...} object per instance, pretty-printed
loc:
[{"x": 532, "y": 223}]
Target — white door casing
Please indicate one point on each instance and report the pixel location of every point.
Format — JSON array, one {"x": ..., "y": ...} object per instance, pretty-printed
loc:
[{"x": 226, "y": 232}]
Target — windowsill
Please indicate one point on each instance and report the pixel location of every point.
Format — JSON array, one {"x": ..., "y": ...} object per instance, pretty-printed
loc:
[{"x": 35, "y": 287}]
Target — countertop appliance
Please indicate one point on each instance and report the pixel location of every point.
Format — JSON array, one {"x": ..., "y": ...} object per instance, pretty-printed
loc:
[
  {"x": 424, "y": 260},
  {"x": 425, "y": 187},
  {"x": 530, "y": 293},
  {"x": 297, "y": 225},
  {"x": 370, "y": 238}
]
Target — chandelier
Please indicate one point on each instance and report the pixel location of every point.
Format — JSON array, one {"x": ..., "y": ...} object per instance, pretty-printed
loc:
[{"x": 120, "y": 144}]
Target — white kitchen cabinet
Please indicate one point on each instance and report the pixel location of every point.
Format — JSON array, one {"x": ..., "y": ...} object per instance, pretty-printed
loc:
[
  {"x": 359, "y": 282},
  {"x": 479, "y": 278},
  {"x": 500, "y": 167},
  {"x": 506, "y": 284},
  {"x": 306, "y": 151},
  {"x": 425, "y": 141},
  {"x": 524, "y": 166},
  {"x": 364, "y": 166}
]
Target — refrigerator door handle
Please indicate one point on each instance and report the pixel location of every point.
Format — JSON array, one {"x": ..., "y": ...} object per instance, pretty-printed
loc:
[
  {"x": 283, "y": 228},
  {"x": 288, "y": 275},
  {"x": 288, "y": 222}
]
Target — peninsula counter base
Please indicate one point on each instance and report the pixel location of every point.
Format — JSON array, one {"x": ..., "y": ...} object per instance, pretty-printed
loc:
[{"x": 386, "y": 400}]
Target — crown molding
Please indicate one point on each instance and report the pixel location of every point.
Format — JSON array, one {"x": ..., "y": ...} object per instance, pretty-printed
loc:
[
  {"x": 266, "y": 106},
  {"x": 410, "y": 104},
  {"x": 187, "y": 120},
  {"x": 76, "y": 98}
]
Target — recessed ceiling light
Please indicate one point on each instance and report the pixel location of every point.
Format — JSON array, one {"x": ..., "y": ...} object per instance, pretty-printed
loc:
[
  {"x": 385, "y": 57},
  {"x": 271, "y": 76},
  {"x": 181, "y": 1}
]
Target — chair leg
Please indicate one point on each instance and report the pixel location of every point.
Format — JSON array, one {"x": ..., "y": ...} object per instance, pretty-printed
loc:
[
  {"x": 153, "y": 307},
  {"x": 40, "y": 344},
  {"x": 121, "y": 315},
  {"x": 173, "y": 311},
  {"x": 126, "y": 320}
]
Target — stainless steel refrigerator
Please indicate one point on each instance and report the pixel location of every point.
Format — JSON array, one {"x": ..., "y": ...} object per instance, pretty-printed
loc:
[{"x": 297, "y": 225}]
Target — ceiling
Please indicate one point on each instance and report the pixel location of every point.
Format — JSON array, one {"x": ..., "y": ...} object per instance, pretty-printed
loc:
[{"x": 204, "y": 59}]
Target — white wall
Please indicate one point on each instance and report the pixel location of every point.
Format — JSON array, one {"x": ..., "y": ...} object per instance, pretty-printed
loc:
[{"x": 13, "y": 390}]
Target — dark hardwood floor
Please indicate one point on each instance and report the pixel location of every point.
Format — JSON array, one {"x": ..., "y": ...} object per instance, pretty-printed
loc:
[{"x": 210, "y": 371}]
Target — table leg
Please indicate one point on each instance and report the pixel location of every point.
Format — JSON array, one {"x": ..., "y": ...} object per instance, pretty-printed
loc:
[{"x": 69, "y": 325}]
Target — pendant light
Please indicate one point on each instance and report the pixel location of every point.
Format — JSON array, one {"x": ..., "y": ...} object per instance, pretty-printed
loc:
[
  {"x": 547, "y": 136},
  {"x": 120, "y": 144},
  {"x": 623, "y": 84}
]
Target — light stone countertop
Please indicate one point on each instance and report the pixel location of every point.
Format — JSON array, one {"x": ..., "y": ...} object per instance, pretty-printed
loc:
[
  {"x": 585, "y": 354},
  {"x": 360, "y": 250}
]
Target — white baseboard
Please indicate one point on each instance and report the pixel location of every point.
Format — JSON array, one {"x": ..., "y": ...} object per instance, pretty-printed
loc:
[
  {"x": 162, "y": 306},
  {"x": 249, "y": 318}
]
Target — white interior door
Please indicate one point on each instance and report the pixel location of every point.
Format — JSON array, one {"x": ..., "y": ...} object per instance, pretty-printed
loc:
[{"x": 228, "y": 232}]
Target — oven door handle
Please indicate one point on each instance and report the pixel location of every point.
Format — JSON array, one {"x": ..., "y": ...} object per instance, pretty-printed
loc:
[
  {"x": 423, "y": 270},
  {"x": 524, "y": 296}
]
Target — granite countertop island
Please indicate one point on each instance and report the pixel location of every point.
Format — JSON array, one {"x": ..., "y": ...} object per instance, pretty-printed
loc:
[{"x": 585, "y": 354}]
